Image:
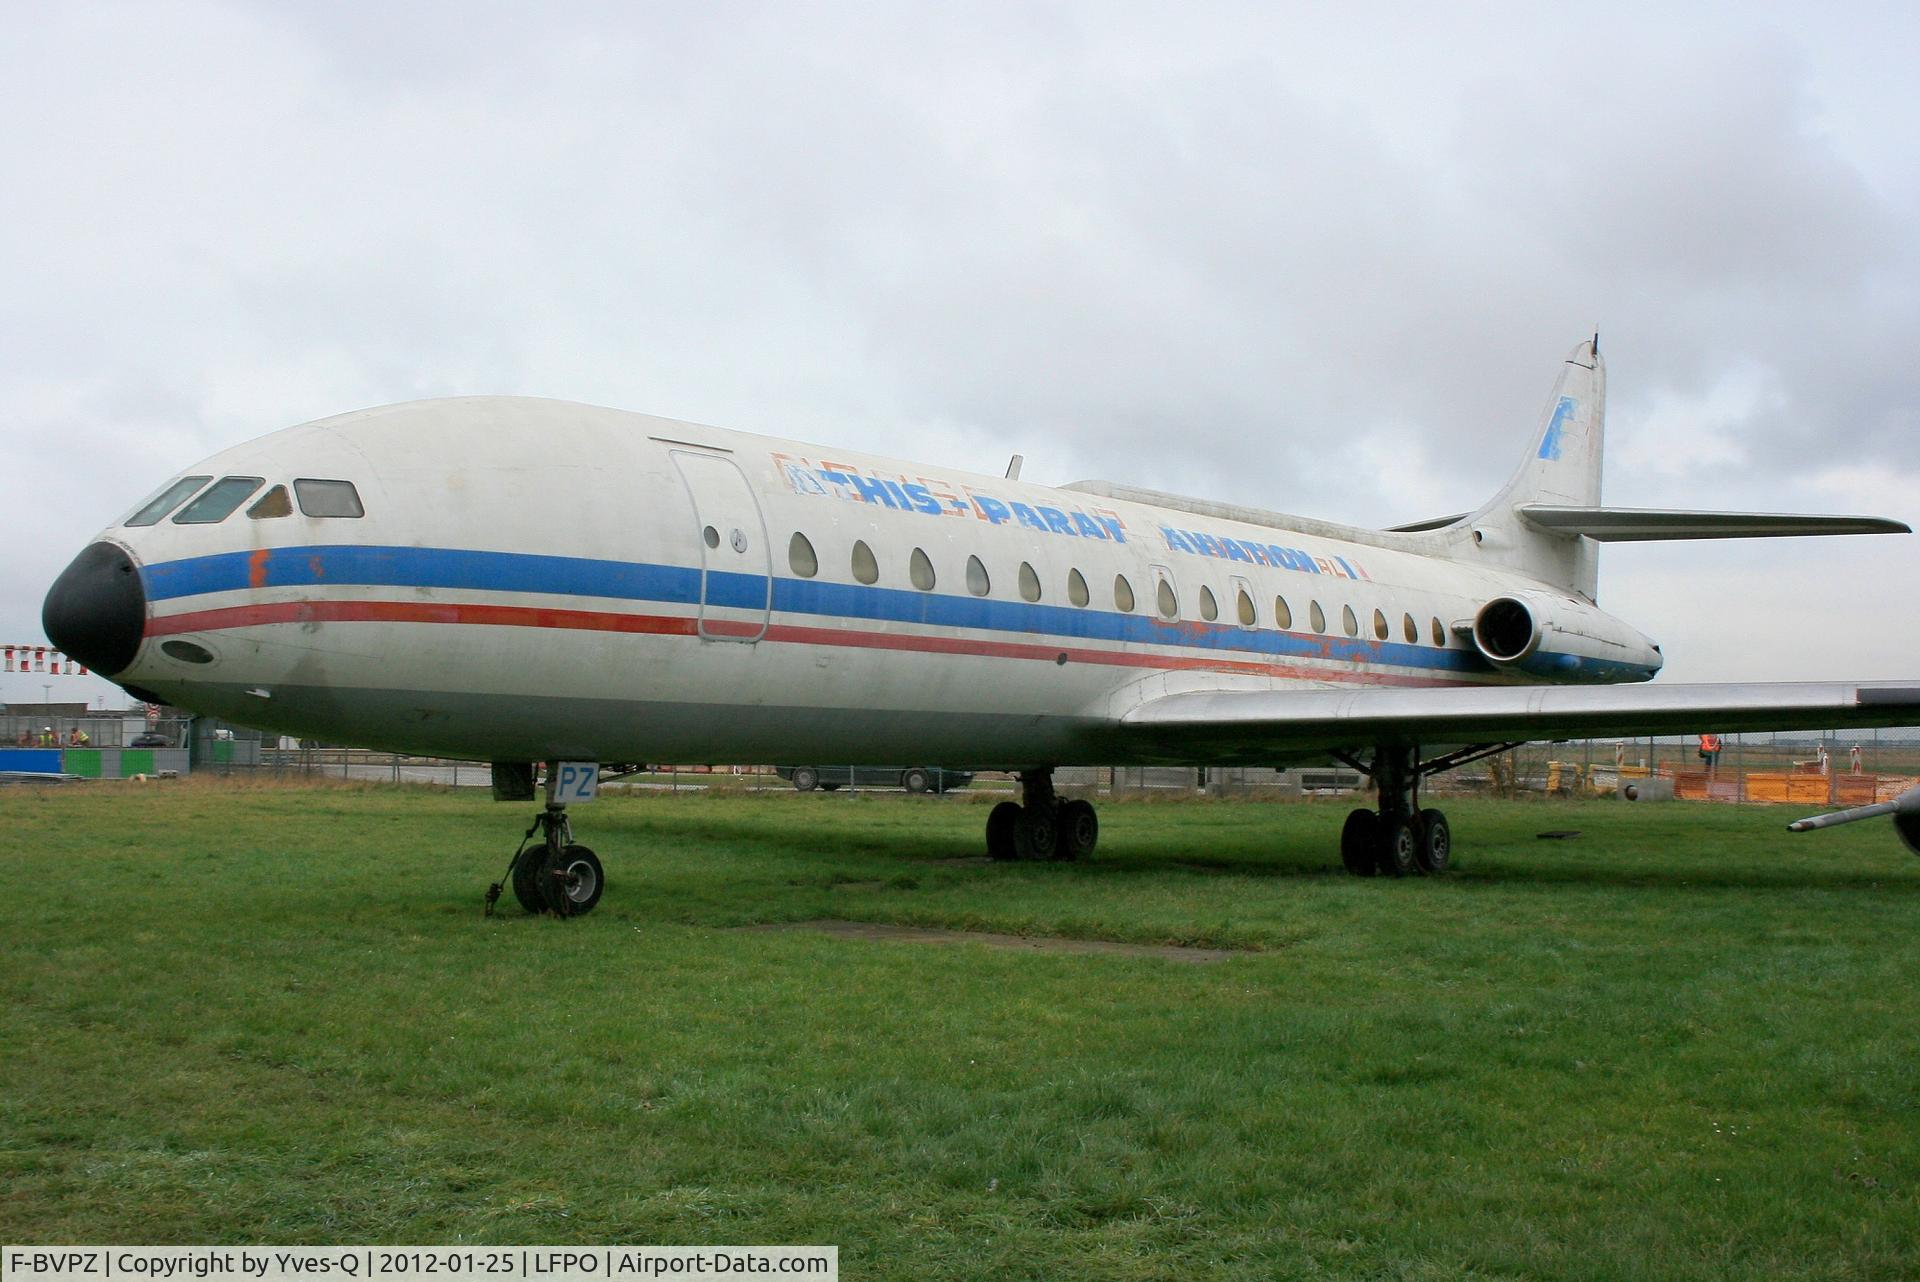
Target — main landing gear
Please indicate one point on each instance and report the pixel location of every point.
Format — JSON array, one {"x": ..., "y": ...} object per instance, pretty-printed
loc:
[
  {"x": 553, "y": 874},
  {"x": 1040, "y": 825},
  {"x": 1401, "y": 838}
]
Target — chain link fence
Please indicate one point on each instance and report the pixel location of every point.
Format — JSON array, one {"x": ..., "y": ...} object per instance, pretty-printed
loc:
[{"x": 1839, "y": 767}]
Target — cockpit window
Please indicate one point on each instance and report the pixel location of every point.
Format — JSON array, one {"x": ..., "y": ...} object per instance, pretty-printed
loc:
[
  {"x": 273, "y": 503},
  {"x": 217, "y": 504},
  {"x": 328, "y": 498},
  {"x": 166, "y": 500}
]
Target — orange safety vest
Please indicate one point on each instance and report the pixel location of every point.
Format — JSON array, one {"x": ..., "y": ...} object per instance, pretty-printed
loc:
[{"x": 1709, "y": 743}]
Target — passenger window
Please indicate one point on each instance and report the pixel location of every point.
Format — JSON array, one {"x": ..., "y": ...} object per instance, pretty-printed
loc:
[
  {"x": 1123, "y": 594},
  {"x": 1347, "y": 621},
  {"x": 274, "y": 502},
  {"x": 1410, "y": 629},
  {"x": 166, "y": 500},
  {"x": 1029, "y": 583},
  {"x": 1379, "y": 626},
  {"x": 865, "y": 568},
  {"x": 1209, "y": 610},
  {"x": 977, "y": 581},
  {"x": 800, "y": 556},
  {"x": 711, "y": 536},
  {"x": 1319, "y": 618},
  {"x": 1077, "y": 588},
  {"x": 1439, "y": 634},
  {"x": 1169, "y": 603},
  {"x": 217, "y": 504},
  {"x": 920, "y": 570},
  {"x": 328, "y": 498},
  {"x": 1282, "y": 614},
  {"x": 1245, "y": 607}
]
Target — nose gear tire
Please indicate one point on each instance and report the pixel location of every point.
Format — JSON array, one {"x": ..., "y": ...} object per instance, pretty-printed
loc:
[{"x": 571, "y": 879}]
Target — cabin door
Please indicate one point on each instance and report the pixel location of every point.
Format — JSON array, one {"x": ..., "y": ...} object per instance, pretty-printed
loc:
[{"x": 736, "y": 584}]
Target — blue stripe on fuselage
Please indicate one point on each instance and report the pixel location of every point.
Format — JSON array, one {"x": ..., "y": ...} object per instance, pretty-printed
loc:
[
  {"x": 465, "y": 569},
  {"x": 349, "y": 565}
]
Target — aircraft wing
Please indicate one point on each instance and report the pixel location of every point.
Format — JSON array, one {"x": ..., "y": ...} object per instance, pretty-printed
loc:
[{"x": 1264, "y": 726}]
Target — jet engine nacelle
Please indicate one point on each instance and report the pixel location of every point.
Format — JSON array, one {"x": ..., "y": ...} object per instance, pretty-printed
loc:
[{"x": 1549, "y": 636}]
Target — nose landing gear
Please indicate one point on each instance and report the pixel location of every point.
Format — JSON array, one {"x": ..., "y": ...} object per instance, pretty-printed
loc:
[{"x": 553, "y": 874}]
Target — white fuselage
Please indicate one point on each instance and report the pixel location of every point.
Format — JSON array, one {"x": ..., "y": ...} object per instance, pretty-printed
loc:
[{"x": 535, "y": 580}]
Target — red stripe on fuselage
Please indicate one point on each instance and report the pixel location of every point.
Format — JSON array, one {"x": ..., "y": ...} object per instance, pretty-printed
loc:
[
  {"x": 505, "y": 616},
  {"x": 520, "y": 616}
]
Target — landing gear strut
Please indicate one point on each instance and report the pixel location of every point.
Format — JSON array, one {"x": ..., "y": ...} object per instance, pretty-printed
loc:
[
  {"x": 1040, "y": 825},
  {"x": 553, "y": 874},
  {"x": 1401, "y": 838}
]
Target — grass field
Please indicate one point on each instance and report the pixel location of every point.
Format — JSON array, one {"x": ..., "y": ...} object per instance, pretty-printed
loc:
[{"x": 1681, "y": 1044}]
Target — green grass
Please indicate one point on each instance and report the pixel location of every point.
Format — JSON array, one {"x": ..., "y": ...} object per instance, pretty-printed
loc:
[{"x": 1683, "y": 1044}]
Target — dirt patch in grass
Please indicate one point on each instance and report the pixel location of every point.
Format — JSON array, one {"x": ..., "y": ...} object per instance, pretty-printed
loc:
[{"x": 1025, "y": 943}]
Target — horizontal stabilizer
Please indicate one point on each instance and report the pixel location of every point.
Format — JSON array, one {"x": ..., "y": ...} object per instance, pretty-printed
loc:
[
  {"x": 1646, "y": 524},
  {"x": 1431, "y": 523}
]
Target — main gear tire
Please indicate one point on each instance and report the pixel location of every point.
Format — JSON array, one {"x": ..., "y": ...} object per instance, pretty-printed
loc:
[
  {"x": 1079, "y": 830},
  {"x": 1000, "y": 824},
  {"x": 1360, "y": 843},
  {"x": 1399, "y": 848},
  {"x": 1435, "y": 854},
  {"x": 1035, "y": 835}
]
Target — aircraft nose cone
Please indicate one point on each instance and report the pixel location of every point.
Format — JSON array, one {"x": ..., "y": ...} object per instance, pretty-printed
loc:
[{"x": 96, "y": 611}]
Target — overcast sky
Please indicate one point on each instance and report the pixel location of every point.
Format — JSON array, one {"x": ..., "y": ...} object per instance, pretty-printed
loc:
[{"x": 1321, "y": 259}]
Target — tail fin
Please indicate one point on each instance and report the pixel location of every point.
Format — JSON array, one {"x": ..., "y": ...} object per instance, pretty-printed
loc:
[
  {"x": 1561, "y": 468},
  {"x": 1547, "y": 522},
  {"x": 1563, "y": 464}
]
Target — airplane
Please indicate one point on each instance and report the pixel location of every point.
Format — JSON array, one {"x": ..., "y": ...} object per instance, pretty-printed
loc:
[{"x": 528, "y": 581}]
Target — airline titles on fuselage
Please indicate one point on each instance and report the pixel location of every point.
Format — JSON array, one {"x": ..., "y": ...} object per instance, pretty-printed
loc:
[
  {"x": 933, "y": 496},
  {"x": 1272, "y": 554}
]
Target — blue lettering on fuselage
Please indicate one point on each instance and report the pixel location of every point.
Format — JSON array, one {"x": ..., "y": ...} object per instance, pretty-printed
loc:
[
  {"x": 1028, "y": 517},
  {"x": 874, "y": 491},
  {"x": 1199, "y": 543},
  {"x": 933, "y": 496},
  {"x": 922, "y": 499}
]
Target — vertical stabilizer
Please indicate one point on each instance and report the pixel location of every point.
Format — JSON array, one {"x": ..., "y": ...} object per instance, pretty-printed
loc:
[
  {"x": 1561, "y": 466},
  {"x": 1563, "y": 463}
]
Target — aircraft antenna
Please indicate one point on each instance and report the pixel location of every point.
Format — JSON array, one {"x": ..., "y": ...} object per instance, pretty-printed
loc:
[{"x": 1013, "y": 466}]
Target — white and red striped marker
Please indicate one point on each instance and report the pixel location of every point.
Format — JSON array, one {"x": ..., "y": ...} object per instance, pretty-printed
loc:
[{"x": 43, "y": 659}]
